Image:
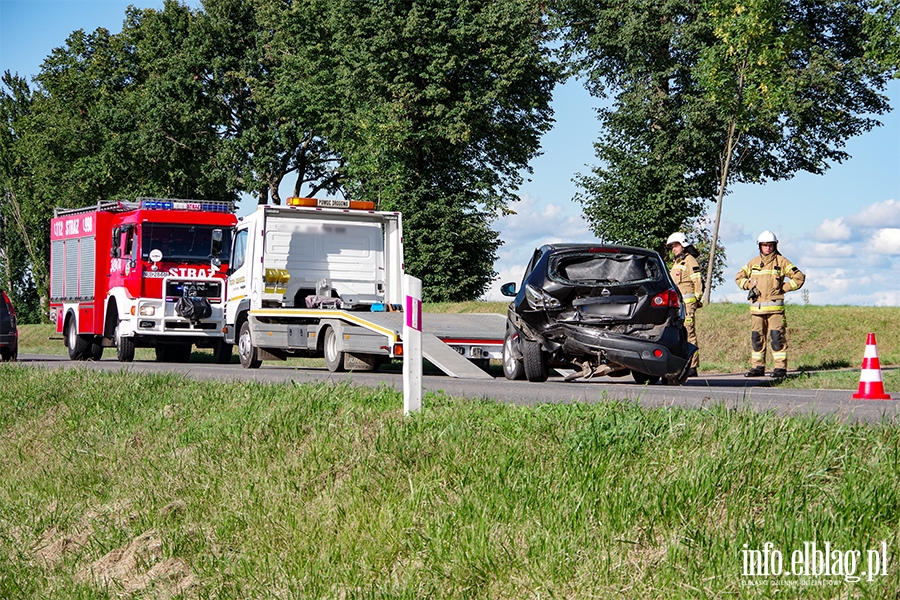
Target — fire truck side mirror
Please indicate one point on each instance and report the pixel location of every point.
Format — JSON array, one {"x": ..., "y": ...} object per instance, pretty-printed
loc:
[{"x": 215, "y": 246}]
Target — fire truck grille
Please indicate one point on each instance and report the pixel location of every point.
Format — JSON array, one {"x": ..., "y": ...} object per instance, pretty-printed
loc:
[
  {"x": 170, "y": 325},
  {"x": 197, "y": 289}
]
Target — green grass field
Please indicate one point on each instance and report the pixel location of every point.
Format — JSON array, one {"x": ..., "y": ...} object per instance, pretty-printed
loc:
[{"x": 157, "y": 486}]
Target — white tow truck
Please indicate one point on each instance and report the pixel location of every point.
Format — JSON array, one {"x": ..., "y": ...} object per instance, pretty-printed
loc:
[{"x": 323, "y": 278}]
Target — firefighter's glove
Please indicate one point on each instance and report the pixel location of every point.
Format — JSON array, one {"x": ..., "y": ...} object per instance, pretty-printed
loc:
[
  {"x": 699, "y": 303},
  {"x": 753, "y": 294}
]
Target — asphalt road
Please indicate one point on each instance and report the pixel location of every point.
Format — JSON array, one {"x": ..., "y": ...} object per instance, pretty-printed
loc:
[{"x": 704, "y": 391}]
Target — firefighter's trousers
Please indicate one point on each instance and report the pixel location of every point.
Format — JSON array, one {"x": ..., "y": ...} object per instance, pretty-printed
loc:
[
  {"x": 768, "y": 329},
  {"x": 690, "y": 327}
]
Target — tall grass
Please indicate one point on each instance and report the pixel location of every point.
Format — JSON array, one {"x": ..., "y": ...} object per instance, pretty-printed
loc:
[{"x": 155, "y": 485}]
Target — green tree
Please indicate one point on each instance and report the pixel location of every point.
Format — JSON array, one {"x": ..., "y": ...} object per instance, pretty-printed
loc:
[
  {"x": 708, "y": 93},
  {"x": 264, "y": 59},
  {"x": 111, "y": 117},
  {"x": 442, "y": 105},
  {"x": 790, "y": 82},
  {"x": 651, "y": 177},
  {"x": 22, "y": 234}
]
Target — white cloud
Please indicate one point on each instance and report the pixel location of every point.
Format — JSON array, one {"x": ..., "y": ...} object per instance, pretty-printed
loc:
[
  {"x": 729, "y": 231},
  {"x": 880, "y": 214},
  {"x": 832, "y": 230},
  {"x": 885, "y": 241},
  {"x": 532, "y": 226}
]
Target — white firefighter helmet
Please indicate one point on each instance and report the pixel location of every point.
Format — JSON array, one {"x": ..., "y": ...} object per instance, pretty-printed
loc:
[
  {"x": 676, "y": 238},
  {"x": 767, "y": 237}
]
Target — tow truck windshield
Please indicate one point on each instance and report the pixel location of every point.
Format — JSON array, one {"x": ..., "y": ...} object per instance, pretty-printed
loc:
[{"x": 185, "y": 243}]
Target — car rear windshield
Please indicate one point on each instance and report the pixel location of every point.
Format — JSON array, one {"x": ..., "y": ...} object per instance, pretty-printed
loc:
[{"x": 602, "y": 268}]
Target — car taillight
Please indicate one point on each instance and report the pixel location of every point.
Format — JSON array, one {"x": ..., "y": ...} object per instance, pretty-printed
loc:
[
  {"x": 9, "y": 306},
  {"x": 668, "y": 299},
  {"x": 539, "y": 299}
]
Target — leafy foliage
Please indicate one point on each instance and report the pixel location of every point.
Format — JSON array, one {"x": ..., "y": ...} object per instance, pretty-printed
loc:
[
  {"x": 430, "y": 107},
  {"x": 652, "y": 177},
  {"x": 710, "y": 93},
  {"x": 20, "y": 248},
  {"x": 443, "y": 104}
]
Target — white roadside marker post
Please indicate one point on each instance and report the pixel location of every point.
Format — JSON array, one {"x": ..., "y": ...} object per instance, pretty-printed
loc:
[{"x": 412, "y": 345}]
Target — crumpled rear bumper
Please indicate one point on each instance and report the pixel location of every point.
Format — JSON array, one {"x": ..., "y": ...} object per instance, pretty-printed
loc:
[{"x": 668, "y": 356}]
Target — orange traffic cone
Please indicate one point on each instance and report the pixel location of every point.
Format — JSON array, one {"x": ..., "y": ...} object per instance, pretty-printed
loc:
[{"x": 870, "y": 385}]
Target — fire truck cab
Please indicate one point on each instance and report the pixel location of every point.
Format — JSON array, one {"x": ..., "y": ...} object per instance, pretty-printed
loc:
[{"x": 139, "y": 275}]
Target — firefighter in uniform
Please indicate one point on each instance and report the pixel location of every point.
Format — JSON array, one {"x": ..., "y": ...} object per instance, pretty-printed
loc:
[
  {"x": 685, "y": 272},
  {"x": 767, "y": 278}
]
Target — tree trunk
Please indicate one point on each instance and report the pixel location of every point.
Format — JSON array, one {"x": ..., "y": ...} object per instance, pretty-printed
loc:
[{"x": 723, "y": 180}]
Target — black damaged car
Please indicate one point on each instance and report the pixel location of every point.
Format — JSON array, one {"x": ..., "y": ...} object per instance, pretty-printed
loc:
[{"x": 599, "y": 309}]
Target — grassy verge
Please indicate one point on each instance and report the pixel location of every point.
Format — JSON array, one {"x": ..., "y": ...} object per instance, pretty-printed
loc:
[{"x": 127, "y": 485}]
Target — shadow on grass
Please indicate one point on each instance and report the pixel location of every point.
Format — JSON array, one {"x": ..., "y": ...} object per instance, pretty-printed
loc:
[{"x": 826, "y": 365}]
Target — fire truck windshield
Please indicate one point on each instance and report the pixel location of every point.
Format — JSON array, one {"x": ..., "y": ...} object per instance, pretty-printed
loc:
[{"x": 186, "y": 243}]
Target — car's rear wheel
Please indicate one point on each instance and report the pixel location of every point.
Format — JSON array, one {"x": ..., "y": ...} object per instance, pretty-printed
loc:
[
  {"x": 534, "y": 360},
  {"x": 643, "y": 378},
  {"x": 512, "y": 367}
]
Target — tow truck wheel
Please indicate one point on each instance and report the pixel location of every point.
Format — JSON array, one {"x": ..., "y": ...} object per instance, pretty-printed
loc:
[
  {"x": 334, "y": 358},
  {"x": 222, "y": 353},
  {"x": 246, "y": 349},
  {"x": 124, "y": 347},
  {"x": 79, "y": 348}
]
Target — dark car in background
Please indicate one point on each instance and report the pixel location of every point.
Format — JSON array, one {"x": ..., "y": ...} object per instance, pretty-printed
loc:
[
  {"x": 599, "y": 309},
  {"x": 9, "y": 332}
]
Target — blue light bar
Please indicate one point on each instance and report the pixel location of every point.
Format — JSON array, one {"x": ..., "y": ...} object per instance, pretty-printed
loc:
[{"x": 193, "y": 205}]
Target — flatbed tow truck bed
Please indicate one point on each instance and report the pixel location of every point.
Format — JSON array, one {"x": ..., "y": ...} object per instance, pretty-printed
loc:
[{"x": 448, "y": 340}]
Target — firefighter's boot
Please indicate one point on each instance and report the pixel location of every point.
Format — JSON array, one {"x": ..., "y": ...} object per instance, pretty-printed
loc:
[{"x": 755, "y": 372}]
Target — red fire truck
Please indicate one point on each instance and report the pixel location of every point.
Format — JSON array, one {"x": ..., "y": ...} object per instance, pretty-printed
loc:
[{"x": 140, "y": 275}]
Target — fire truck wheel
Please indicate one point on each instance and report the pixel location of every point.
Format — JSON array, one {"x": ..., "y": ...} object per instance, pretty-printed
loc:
[
  {"x": 246, "y": 350},
  {"x": 124, "y": 347},
  {"x": 222, "y": 353},
  {"x": 160, "y": 351},
  {"x": 180, "y": 353},
  {"x": 96, "y": 348},
  {"x": 79, "y": 347},
  {"x": 334, "y": 358}
]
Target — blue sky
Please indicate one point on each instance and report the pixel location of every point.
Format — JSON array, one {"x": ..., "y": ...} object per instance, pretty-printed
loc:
[{"x": 841, "y": 228}]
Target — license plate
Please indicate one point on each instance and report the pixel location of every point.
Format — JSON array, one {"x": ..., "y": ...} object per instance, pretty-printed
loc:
[{"x": 607, "y": 310}]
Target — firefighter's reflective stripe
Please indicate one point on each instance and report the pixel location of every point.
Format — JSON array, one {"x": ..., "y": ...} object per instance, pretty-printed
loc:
[
  {"x": 779, "y": 356},
  {"x": 689, "y": 298},
  {"x": 767, "y": 307},
  {"x": 757, "y": 357}
]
